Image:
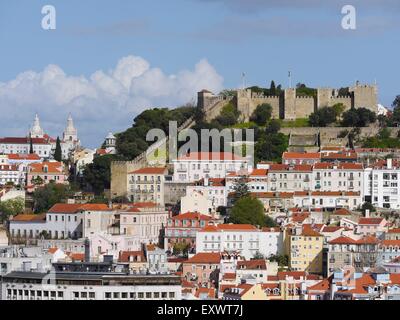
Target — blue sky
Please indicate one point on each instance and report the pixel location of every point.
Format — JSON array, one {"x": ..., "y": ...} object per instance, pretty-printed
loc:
[{"x": 183, "y": 46}]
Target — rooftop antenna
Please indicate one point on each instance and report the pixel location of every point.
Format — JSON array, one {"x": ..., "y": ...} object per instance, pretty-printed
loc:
[{"x": 290, "y": 79}]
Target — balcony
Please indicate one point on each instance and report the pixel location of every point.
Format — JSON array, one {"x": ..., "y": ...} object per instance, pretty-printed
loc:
[
  {"x": 181, "y": 170},
  {"x": 351, "y": 178}
]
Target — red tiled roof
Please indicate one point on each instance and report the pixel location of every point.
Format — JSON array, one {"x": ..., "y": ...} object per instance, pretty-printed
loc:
[
  {"x": 191, "y": 216},
  {"x": 370, "y": 221},
  {"x": 205, "y": 257},
  {"x": 77, "y": 207},
  {"x": 388, "y": 243},
  {"x": 18, "y": 156},
  {"x": 258, "y": 264},
  {"x": 301, "y": 155},
  {"x": 259, "y": 172},
  {"x": 324, "y": 285},
  {"x": 229, "y": 276},
  {"x": 342, "y": 212},
  {"x": 125, "y": 256},
  {"x": 395, "y": 230},
  {"x": 29, "y": 218},
  {"x": 23, "y": 140},
  {"x": 52, "y": 167},
  {"x": 343, "y": 240}
]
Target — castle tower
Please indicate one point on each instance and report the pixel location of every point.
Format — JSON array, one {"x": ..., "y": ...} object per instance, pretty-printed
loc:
[
  {"x": 290, "y": 104},
  {"x": 70, "y": 132},
  {"x": 36, "y": 131},
  {"x": 365, "y": 96}
]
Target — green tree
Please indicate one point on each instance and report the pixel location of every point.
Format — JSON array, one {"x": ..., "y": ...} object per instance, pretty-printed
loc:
[
  {"x": 270, "y": 143},
  {"x": 262, "y": 114},
  {"x": 11, "y": 207},
  {"x": 339, "y": 109},
  {"x": 360, "y": 117},
  {"x": 396, "y": 110},
  {"x": 367, "y": 206},
  {"x": 282, "y": 260},
  {"x": 248, "y": 210},
  {"x": 323, "y": 117},
  {"x": 229, "y": 115},
  {"x": 269, "y": 222},
  {"x": 272, "y": 88},
  {"x": 97, "y": 174},
  {"x": 58, "y": 152},
  {"x": 45, "y": 197}
]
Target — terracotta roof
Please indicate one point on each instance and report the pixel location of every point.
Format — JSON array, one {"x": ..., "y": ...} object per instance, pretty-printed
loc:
[
  {"x": 324, "y": 285},
  {"x": 52, "y": 167},
  {"x": 388, "y": 243},
  {"x": 191, "y": 216},
  {"x": 308, "y": 231},
  {"x": 301, "y": 155},
  {"x": 29, "y": 218},
  {"x": 76, "y": 207},
  {"x": 144, "y": 204},
  {"x": 339, "y": 166},
  {"x": 150, "y": 170},
  {"x": 76, "y": 256},
  {"x": 258, "y": 264},
  {"x": 216, "y": 156},
  {"x": 18, "y": 156},
  {"x": 370, "y": 221},
  {"x": 259, "y": 172},
  {"x": 287, "y": 167},
  {"x": 300, "y": 216},
  {"x": 395, "y": 230},
  {"x": 23, "y": 140},
  {"x": 125, "y": 256},
  {"x": 343, "y": 240},
  {"x": 229, "y": 276},
  {"x": 342, "y": 212},
  {"x": 205, "y": 257},
  {"x": 331, "y": 228},
  {"x": 52, "y": 250}
]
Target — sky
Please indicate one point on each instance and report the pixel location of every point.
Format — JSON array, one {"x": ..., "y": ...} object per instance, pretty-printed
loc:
[{"x": 107, "y": 61}]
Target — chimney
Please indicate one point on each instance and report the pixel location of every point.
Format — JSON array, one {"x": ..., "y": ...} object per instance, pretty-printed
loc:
[
  {"x": 389, "y": 163},
  {"x": 367, "y": 213},
  {"x": 87, "y": 250}
]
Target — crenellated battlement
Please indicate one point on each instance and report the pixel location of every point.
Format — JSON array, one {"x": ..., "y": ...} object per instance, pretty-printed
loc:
[{"x": 289, "y": 105}]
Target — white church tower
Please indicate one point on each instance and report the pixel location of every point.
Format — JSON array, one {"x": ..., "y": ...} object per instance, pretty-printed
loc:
[
  {"x": 70, "y": 132},
  {"x": 110, "y": 144},
  {"x": 36, "y": 131}
]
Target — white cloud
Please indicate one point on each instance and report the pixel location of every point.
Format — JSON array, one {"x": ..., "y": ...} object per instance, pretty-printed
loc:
[{"x": 102, "y": 102}]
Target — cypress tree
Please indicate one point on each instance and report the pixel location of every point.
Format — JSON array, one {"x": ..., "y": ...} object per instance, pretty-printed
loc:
[{"x": 58, "y": 152}]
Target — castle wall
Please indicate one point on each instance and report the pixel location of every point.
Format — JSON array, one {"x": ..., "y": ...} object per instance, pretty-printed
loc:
[
  {"x": 304, "y": 107},
  {"x": 273, "y": 101},
  {"x": 119, "y": 172},
  {"x": 346, "y": 101}
]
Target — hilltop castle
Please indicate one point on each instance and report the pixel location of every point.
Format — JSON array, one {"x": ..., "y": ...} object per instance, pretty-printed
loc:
[{"x": 289, "y": 105}]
